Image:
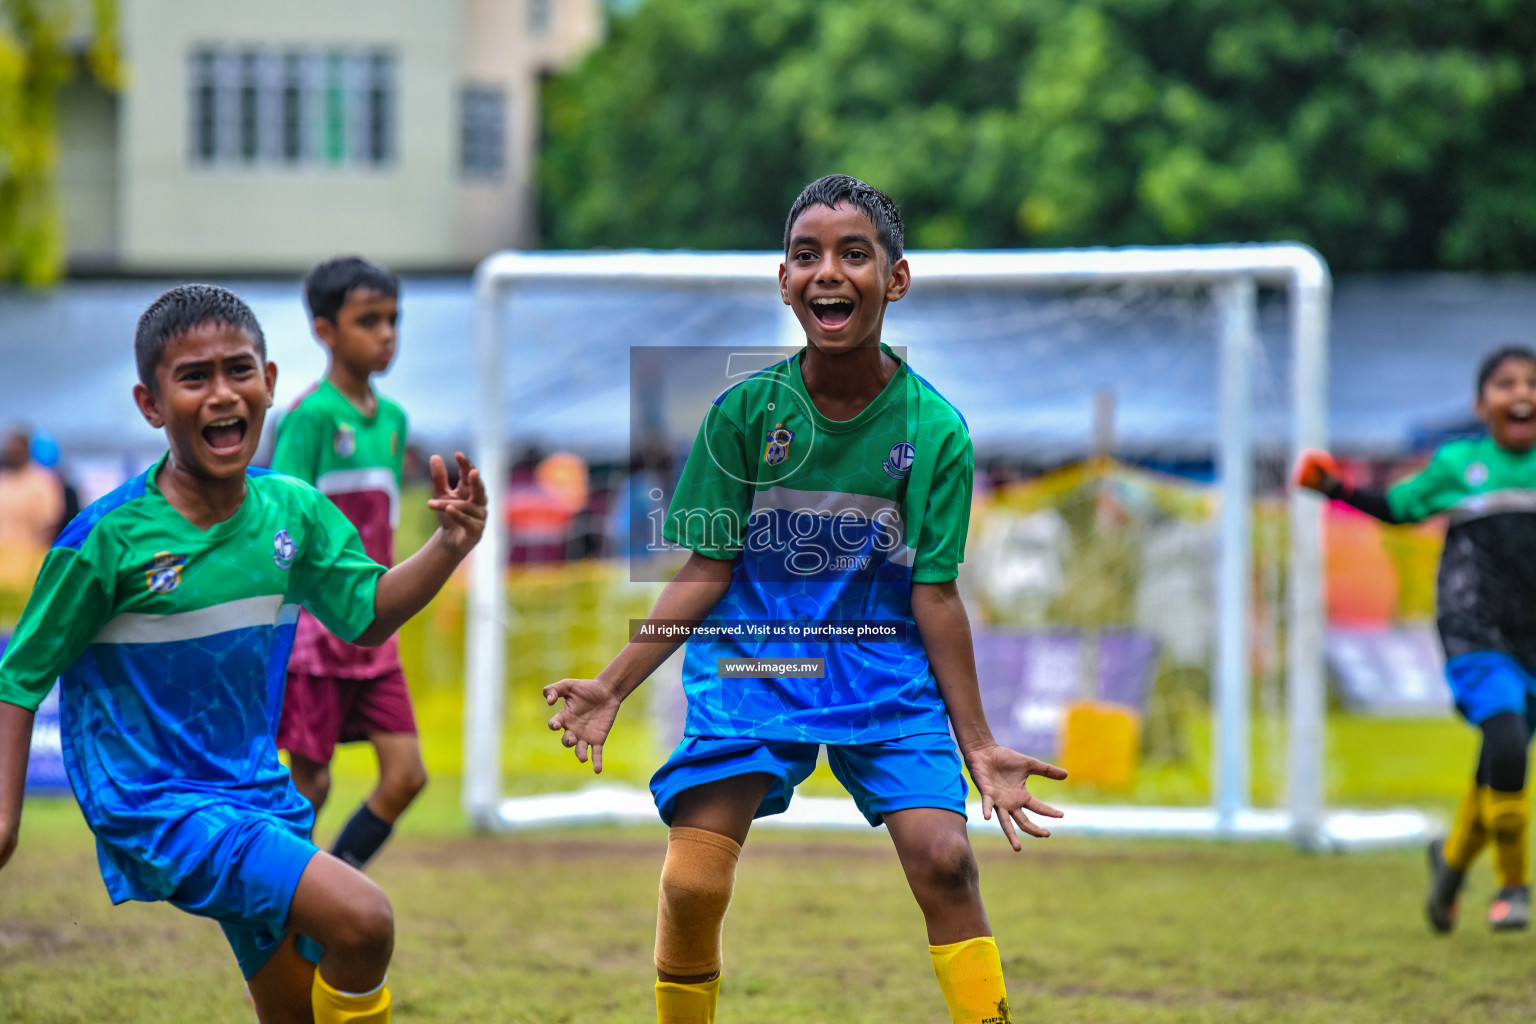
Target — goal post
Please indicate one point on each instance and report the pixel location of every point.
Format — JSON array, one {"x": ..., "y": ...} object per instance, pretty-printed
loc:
[{"x": 1232, "y": 275}]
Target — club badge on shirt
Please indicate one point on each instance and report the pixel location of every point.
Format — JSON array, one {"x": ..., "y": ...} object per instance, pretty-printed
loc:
[
  {"x": 344, "y": 440},
  {"x": 164, "y": 573},
  {"x": 778, "y": 444},
  {"x": 899, "y": 463},
  {"x": 283, "y": 548}
]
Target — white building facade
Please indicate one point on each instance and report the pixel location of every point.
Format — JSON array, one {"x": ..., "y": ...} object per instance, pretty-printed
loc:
[{"x": 263, "y": 137}]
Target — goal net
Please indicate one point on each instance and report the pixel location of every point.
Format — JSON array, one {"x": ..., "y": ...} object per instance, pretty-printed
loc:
[{"x": 1145, "y": 591}]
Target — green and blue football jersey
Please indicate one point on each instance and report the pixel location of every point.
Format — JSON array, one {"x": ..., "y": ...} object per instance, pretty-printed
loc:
[
  {"x": 1486, "y": 591},
  {"x": 171, "y": 644},
  {"x": 827, "y": 522}
]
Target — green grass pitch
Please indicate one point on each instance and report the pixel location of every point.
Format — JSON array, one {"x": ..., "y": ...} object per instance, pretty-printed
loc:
[{"x": 557, "y": 927}]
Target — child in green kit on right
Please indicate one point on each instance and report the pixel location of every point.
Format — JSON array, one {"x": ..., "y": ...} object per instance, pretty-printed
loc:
[{"x": 1486, "y": 614}]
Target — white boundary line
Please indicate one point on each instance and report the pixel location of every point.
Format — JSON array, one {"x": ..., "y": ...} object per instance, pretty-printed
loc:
[{"x": 1342, "y": 830}]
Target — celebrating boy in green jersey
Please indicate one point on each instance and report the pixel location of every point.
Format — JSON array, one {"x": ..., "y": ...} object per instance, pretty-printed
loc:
[
  {"x": 169, "y": 607},
  {"x": 1486, "y": 613},
  {"x": 349, "y": 441},
  {"x": 830, "y": 492}
]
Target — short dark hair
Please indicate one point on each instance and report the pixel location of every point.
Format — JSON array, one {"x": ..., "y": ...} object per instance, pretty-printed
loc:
[
  {"x": 1497, "y": 358},
  {"x": 182, "y": 310},
  {"x": 843, "y": 188},
  {"x": 328, "y": 284}
]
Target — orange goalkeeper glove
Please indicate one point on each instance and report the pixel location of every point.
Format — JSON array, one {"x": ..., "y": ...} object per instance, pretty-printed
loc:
[{"x": 1316, "y": 470}]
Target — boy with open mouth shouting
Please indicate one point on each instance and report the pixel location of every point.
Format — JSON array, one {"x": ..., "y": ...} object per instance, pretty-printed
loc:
[{"x": 167, "y": 610}]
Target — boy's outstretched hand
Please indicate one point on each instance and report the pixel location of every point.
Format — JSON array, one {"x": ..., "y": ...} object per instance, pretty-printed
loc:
[
  {"x": 460, "y": 510},
  {"x": 1001, "y": 776},
  {"x": 591, "y": 705}
]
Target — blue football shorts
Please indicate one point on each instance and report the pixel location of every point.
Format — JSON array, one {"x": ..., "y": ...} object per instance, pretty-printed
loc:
[
  {"x": 245, "y": 881},
  {"x": 1488, "y": 683},
  {"x": 892, "y": 775}
]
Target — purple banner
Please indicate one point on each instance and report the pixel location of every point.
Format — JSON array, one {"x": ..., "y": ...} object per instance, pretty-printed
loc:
[
  {"x": 1397, "y": 670},
  {"x": 1028, "y": 680}
]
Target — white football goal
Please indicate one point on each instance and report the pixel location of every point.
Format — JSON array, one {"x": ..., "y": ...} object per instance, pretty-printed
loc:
[{"x": 1244, "y": 383}]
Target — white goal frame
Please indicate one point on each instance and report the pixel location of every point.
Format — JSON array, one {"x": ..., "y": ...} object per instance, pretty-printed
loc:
[{"x": 1233, "y": 274}]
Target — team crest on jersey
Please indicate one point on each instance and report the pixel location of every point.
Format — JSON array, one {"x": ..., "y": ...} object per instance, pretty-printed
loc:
[
  {"x": 164, "y": 573},
  {"x": 394, "y": 442},
  {"x": 283, "y": 548},
  {"x": 778, "y": 444},
  {"x": 899, "y": 463},
  {"x": 344, "y": 440},
  {"x": 1477, "y": 474}
]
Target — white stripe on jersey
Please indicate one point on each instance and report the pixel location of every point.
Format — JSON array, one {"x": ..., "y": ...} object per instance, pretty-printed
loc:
[
  {"x": 830, "y": 503},
  {"x": 1492, "y": 503},
  {"x": 358, "y": 481},
  {"x": 246, "y": 613},
  {"x": 838, "y": 503}
]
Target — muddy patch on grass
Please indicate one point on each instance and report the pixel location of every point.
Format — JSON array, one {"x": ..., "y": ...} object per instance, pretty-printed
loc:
[{"x": 46, "y": 941}]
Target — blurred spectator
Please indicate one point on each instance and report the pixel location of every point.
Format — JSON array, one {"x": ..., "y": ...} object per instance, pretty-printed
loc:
[
  {"x": 635, "y": 515},
  {"x": 45, "y": 452},
  {"x": 541, "y": 511},
  {"x": 565, "y": 476},
  {"x": 31, "y": 505}
]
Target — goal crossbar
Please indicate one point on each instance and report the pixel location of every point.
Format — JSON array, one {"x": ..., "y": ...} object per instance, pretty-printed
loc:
[{"x": 1233, "y": 274}]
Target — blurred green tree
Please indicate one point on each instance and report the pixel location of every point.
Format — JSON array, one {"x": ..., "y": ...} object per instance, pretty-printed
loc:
[
  {"x": 1391, "y": 134},
  {"x": 36, "y": 58}
]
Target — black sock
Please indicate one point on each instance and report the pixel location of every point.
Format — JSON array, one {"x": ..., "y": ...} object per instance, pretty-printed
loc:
[{"x": 362, "y": 837}]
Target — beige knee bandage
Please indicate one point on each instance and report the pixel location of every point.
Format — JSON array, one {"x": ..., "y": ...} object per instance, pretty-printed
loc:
[{"x": 696, "y": 884}]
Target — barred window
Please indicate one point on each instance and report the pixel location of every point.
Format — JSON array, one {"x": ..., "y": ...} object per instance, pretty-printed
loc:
[
  {"x": 483, "y": 132},
  {"x": 540, "y": 15},
  {"x": 292, "y": 107},
  {"x": 205, "y": 116},
  {"x": 380, "y": 113},
  {"x": 249, "y": 139}
]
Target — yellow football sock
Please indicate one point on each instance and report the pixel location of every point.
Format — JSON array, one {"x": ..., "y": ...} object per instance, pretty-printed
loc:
[
  {"x": 971, "y": 977},
  {"x": 1505, "y": 816},
  {"x": 686, "y": 1004},
  {"x": 335, "y": 1007},
  {"x": 1468, "y": 836}
]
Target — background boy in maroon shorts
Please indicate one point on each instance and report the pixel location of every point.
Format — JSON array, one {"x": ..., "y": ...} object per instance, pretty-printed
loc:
[{"x": 350, "y": 442}]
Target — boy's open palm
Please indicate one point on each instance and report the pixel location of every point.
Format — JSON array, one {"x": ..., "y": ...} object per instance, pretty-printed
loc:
[
  {"x": 460, "y": 510},
  {"x": 585, "y": 720},
  {"x": 1001, "y": 776}
]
